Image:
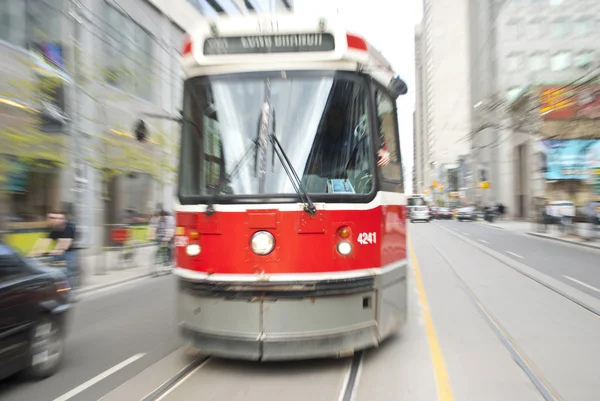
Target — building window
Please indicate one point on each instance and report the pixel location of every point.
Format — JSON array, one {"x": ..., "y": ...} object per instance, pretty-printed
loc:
[
  {"x": 561, "y": 61},
  {"x": 129, "y": 55},
  {"x": 30, "y": 21},
  {"x": 584, "y": 59},
  {"x": 536, "y": 28},
  {"x": 515, "y": 61},
  {"x": 538, "y": 61},
  {"x": 514, "y": 29},
  {"x": 143, "y": 77},
  {"x": 583, "y": 26},
  {"x": 560, "y": 28}
]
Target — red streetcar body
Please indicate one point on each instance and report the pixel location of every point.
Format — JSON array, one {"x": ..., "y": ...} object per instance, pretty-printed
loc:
[
  {"x": 314, "y": 263},
  {"x": 303, "y": 244}
]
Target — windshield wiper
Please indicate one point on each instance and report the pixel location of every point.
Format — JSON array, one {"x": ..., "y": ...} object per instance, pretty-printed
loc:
[
  {"x": 266, "y": 132},
  {"x": 309, "y": 206},
  {"x": 210, "y": 207}
]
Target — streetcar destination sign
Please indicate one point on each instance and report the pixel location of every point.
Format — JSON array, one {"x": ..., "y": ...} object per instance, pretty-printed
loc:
[{"x": 317, "y": 42}]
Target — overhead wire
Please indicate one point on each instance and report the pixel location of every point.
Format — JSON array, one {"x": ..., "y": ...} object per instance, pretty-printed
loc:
[
  {"x": 151, "y": 19},
  {"x": 161, "y": 66}
]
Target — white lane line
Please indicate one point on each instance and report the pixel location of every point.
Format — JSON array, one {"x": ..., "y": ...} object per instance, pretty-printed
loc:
[
  {"x": 184, "y": 378},
  {"x": 484, "y": 241},
  {"x": 98, "y": 378},
  {"x": 582, "y": 283},
  {"x": 514, "y": 254},
  {"x": 464, "y": 233}
]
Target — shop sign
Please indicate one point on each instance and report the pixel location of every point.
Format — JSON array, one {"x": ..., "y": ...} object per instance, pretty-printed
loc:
[
  {"x": 570, "y": 159},
  {"x": 559, "y": 103}
]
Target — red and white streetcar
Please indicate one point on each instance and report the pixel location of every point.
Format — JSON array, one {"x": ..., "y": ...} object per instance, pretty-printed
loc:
[{"x": 291, "y": 216}]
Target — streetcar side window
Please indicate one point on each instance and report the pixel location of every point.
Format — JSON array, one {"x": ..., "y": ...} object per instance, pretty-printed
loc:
[
  {"x": 190, "y": 178},
  {"x": 388, "y": 131}
]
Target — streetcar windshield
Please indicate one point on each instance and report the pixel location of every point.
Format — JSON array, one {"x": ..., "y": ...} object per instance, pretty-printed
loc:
[{"x": 321, "y": 122}]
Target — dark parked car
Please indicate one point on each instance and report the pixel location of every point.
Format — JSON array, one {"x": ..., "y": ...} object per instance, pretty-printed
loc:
[
  {"x": 444, "y": 213},
  {"x": 34, "y": 307},
  {"x": 466, "y": 213}
]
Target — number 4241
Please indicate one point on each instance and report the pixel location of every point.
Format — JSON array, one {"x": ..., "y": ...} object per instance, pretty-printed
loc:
[{"x": 367, "y": 238}]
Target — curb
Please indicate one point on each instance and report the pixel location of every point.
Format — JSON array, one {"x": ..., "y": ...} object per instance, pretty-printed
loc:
[
  {"x": 566, "y": 241},
  {"x": 491, "y": 225},
  {"x": 93, "y": 288}
]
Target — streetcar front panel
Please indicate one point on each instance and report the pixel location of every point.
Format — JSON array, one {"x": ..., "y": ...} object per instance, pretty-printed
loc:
[{"x": 291, "y": 230}]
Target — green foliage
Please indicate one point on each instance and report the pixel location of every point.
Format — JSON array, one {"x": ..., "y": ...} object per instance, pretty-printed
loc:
[{"x": 116, "y": 154}]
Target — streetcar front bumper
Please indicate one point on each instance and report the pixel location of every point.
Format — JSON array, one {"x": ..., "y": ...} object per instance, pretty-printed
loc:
[
  {"x": 283, "y": 347},
  {"x": 333, "y": 319}
]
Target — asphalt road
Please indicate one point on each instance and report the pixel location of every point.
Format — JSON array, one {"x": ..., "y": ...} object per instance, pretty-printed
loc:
[
  {"x": 132, "y": 322},
  {"x": 450, "y": 349},
  {"x": 477, "y": 330},
  {"x": 580, "y": 264}
]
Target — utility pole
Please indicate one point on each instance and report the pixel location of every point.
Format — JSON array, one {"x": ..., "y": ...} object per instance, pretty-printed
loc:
[{"x": 79, "y": 184}]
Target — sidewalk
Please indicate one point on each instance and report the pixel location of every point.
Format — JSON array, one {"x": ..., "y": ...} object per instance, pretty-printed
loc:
[
  {"x": 104, "y": 270},
  {"x": 511, "y": 225},
  {"x": 580, "y": 239},
  {"x": 581, "y": 236}
]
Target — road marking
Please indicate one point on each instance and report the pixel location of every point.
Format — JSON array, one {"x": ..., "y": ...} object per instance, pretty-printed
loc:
[
  {"x": 514, "y": 254},
  {"x": 99, "y": 378},
  {"x": 582, "y": 283},
  {"x": 484, "y": 241},
  {"x": 98, "y": 292},
  {"x": 184, "y": 378},
  {"x": 439, "y": 366},
  {"x": 464, "y": 233}
]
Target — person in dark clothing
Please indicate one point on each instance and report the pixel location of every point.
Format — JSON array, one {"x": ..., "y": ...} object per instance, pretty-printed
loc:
[
  {"x": 501, "y": 210},
  {"x": 62, "y": 233}
]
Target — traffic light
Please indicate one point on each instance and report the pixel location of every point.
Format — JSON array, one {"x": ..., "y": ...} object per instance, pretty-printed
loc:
[{"x": 141, "y": 130}]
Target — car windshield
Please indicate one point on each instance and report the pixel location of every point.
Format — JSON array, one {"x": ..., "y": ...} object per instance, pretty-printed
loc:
[
  {"x": 415, "y": 201},
  {"x": 321, "y": 122}
]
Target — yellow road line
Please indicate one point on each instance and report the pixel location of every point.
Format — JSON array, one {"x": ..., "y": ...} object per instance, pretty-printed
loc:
[{"x": 439, "y": 366}]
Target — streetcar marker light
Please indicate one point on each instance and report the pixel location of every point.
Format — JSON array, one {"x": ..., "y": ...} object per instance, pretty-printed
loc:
[
  {"x": 187, "y": 46},
  {"x": 262, "y": 243},
  {"x": 193, "y": 250},
  {"x": 344, "y": 248},
  {"x": 194, "y": 235},
  {"x": 344, "y": 232},
  {"x": 356, "y": 43}
]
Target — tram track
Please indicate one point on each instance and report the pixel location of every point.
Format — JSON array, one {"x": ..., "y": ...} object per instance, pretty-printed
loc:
[
  {"x": 162, "y": 391},
  {"x": 493, "y": 254},
  {"x": 347, "y": 391},
  {"x": 542, "y": 385}
]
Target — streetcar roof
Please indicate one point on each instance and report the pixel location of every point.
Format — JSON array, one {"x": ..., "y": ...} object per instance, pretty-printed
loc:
[{"x": 271, "y": 42}]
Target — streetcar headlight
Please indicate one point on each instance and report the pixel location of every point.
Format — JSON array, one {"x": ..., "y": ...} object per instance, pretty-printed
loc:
[
  {"x": 193, "y": 249},
  {"x": 262, "y": 243},
  {"x": 344, "y": 248}
]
